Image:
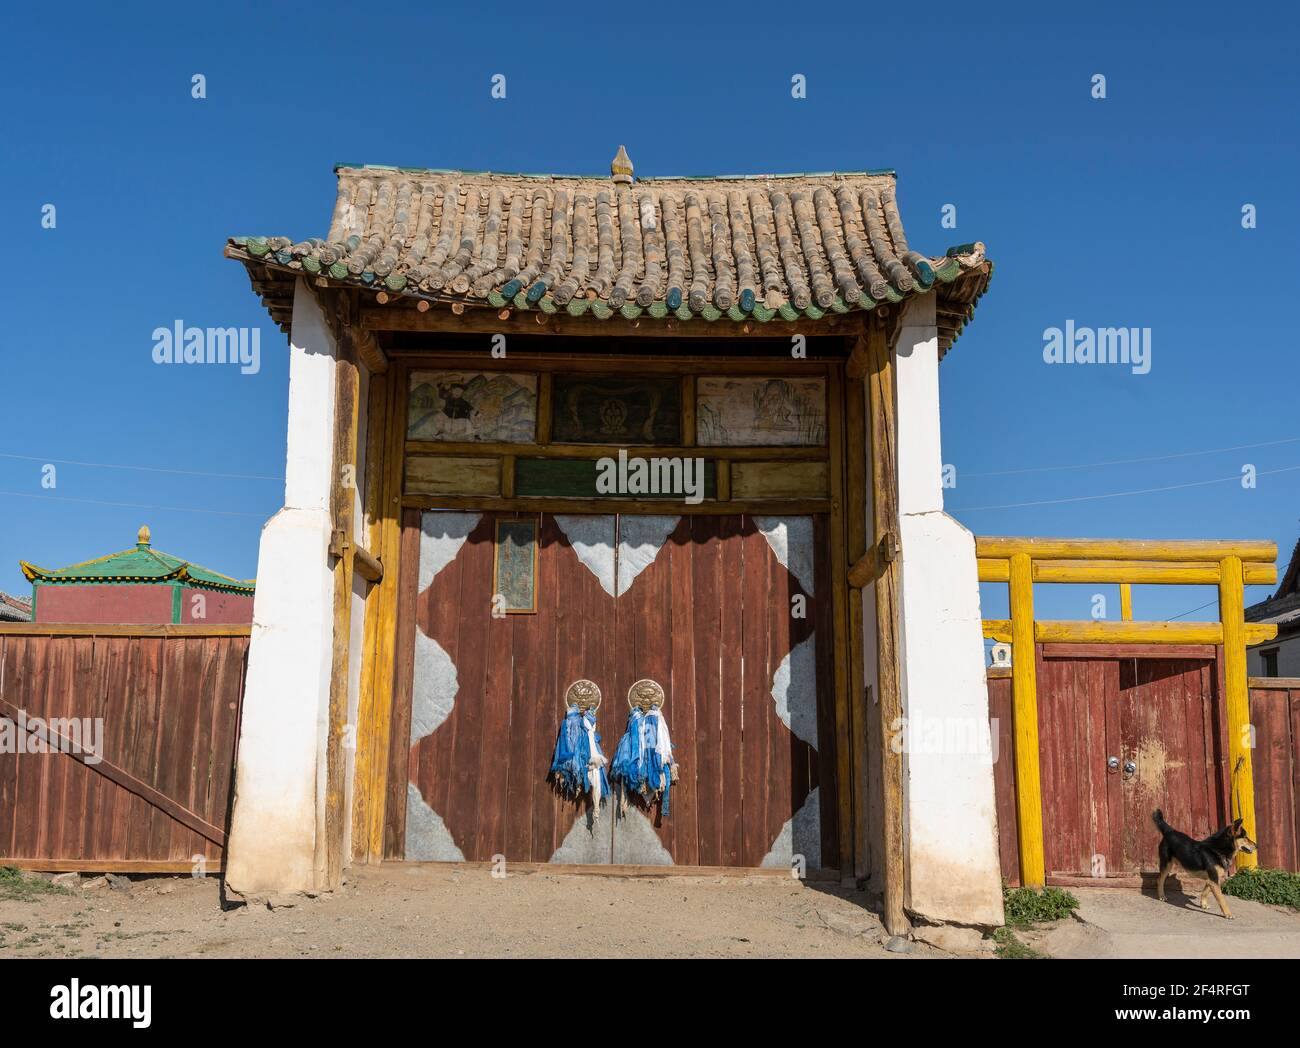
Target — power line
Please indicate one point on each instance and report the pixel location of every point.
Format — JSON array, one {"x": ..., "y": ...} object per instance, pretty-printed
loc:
[
  {"x": 143, "y": 469},
  {"x": 1193, "y": 611},
  {"x": 132, "y": 505},
  {"x": 1120, "y": 494},
  {"x": 1133, "y": 461}
]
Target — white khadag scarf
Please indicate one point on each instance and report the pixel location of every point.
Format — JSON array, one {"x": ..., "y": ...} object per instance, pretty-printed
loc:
[{"x": 595, "y": 761}]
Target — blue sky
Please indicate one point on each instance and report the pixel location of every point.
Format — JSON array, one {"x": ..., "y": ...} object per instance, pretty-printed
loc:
[{"x": 1117, "y": 212}]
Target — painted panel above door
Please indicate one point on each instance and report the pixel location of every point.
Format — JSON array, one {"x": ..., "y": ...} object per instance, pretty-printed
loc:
[
  {"x": 761, "y": 411},
  {"x": 472, "y": 405},
  {"x": 613, "y": 409}
]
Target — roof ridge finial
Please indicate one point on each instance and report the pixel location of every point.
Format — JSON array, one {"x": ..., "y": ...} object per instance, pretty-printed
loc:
[
  {"x": 620, "y": 167},
  {"x": 142, "y": 536}
]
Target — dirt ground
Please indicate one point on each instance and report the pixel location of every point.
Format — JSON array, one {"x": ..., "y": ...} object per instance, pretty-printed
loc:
[
  {"x": 439, "y": 911},
  {"x": 448, "y": 911},
  {"x": 1118, "y": 923}
]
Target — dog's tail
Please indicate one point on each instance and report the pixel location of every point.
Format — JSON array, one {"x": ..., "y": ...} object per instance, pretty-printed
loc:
[{"x": 1158, "y": 817}]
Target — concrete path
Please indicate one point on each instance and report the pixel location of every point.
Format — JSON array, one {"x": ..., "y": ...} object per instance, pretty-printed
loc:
[{"x": 1114, "y": 922}]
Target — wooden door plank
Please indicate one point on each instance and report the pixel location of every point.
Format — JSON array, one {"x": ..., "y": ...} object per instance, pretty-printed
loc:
[
  {"x": 788, "y": 757},
  {"x": 1292, "y": 699},
  {"x": 498, "y": 633},
  {"x": 756, "y": 695},
  {"x": 438, "y": 614},
  {"x": 732, "y": 685},
  {"x": 824, "y": 764},
  {"x": 684, "y": 632},
  {"x": 472, "y": 658},
  {"x": 1093, "y": 767},
  {"x": 603, "y": 658},
  {"x": 557, "y": 559},
  {"x": 707, "y": 610},
  {"x": 528, "y": 714}
]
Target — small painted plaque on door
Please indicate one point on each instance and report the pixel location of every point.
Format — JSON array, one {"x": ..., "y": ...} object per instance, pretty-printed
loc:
[{"x": 514, "y": 567}]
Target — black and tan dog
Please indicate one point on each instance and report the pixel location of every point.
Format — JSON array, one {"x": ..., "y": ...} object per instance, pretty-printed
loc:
[{"x": 1209, "y": 857}]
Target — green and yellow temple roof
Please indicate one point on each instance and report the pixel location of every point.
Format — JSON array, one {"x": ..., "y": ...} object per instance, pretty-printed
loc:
[{"x": 139, "y": 564}]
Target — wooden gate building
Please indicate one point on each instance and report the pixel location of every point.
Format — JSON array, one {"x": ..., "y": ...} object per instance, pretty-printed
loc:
[{"x": 685, "y": 430}]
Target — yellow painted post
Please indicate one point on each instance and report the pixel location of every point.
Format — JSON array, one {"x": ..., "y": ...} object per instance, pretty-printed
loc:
[
  {"x": 1126, "y": 602},
  {"x": 1232, "y": 609},
  {"x": 1024, "y": 697}
]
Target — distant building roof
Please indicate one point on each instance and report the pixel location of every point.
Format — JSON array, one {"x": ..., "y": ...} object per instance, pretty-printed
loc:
[
  {"x": 1283, "y": 608},
  {"x": 14, "y": 609},
  {"x": 140, "y": 564}
]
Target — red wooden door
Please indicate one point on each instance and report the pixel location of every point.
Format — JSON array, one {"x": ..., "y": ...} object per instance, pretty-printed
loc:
[
  {"x": 487, "y": 695},
  {"x": 1170, "y": 737},
  {"x": 1119, "y": 737},
  {"x": 722, "y": 611}
]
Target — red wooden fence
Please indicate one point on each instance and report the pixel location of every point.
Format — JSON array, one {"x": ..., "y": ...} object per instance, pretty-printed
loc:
[
  {"x": 1275, "y": 717},
  {"x": 166, "y": 701}
]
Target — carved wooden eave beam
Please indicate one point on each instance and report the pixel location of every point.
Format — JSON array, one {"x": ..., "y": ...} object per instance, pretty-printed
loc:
[
  {"x": 340, "y": 309},
  {"x": 456, "y": 318}
]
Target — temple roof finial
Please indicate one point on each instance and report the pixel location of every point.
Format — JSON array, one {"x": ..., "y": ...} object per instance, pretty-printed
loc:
[
  {"x": 621, "y": 166},
  {"x": 142, "y": 536}
]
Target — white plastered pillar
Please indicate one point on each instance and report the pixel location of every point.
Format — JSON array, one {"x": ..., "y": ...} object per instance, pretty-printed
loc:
[
  {"x": 279, "y": 811},
  {"x": 950, "y": 818}
]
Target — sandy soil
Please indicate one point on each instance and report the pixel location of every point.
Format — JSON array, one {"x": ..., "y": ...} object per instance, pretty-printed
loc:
[
  {"x": 1127, "y": 923},
  {"x": 439, "y": 911}
]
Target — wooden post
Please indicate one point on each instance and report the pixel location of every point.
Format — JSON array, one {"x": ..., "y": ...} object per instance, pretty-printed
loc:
[
  {"x": 855, "y": 515},
  {"x": 368, "y": 778},
  {"x": 342, "y": 503},
  {"x": 386, "y": 606},
  {"x": 840, "y": 629},
  {"x": 884, "y": 503},
  {"x": 1024, "y": 698},
  {"x": 1237, "y": 700},
  {"x": 1126, "y": 601}
]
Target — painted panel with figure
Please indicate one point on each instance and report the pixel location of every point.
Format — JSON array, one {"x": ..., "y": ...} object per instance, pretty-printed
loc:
[
  {"x": 761, "y": 412},
  {"x": 472, "y": 406},
  {"x": 612, "y": 410},
  {"x": 515, "y": 567}
]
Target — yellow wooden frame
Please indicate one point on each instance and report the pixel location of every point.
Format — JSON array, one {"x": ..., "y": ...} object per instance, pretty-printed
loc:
[{"x": 1020, "y": 562}]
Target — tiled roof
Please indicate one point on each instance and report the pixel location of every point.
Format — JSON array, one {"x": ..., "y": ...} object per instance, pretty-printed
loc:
[
  {"x": 1283, "y": 607},
  {"x": 141, "y": 563},
  {"x": 758, "y": 247},
  {"x": 14, "y": 609}
]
